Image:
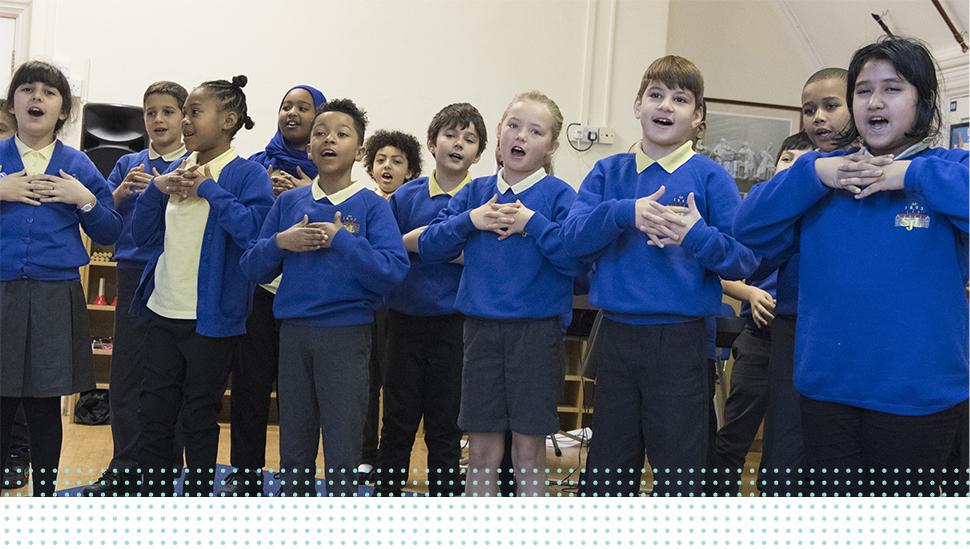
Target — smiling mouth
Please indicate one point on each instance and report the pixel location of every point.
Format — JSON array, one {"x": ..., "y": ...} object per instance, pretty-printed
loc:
[
  {"x": 160, "y": 130},
  {"x": 292, "y": 124},
  {"x": 663, "y": 121},
  {"x": 456, "y": 156}
]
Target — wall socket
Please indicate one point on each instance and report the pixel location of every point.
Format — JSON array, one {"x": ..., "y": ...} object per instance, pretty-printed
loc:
[{"x": 589, "y": 134}]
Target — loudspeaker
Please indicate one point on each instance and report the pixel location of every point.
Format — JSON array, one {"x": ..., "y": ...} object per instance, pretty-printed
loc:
[{"x": 110, "y": 131}]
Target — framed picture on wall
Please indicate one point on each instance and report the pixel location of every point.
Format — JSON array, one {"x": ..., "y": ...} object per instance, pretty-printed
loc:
[
  {"x": 744, "y": 137},
  {"x": 958, "y": 136}
]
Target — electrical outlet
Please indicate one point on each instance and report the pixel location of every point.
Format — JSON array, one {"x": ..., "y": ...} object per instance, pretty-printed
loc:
[
  {"x": 579, "y": 133},
  {"x": 606, "y": 136}
]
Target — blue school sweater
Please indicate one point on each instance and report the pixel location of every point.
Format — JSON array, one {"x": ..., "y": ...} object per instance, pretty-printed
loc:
[
  {"x": 520, "y": 277},
  {"x": 238, "y": 203},
  {"x": 639, "y": 284},
  {"x": 127, "y": 254},
  {"x": 338, "y": 286},
  {"x": 429, "y": 289},
  {"x": 882, "y": 313},
  {"x": 43, "y": 242}
]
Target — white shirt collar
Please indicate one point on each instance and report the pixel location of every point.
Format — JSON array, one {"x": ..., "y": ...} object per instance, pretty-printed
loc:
[
  {"x": 521, "y": 186},
  {"x": 339, "y": 196}
]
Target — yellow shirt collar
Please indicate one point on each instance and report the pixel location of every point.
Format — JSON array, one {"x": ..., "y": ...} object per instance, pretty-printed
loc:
[
  {"x": 669, "y": 163},
  {"x": 25, "y": 149},
  {"x": 168, "y": 157},
  {"x": 339, "y": 196},
  {"x": 380, "y": 192},
  {"x": 521, "y": 186},
  {"x": 215, "y": 165},
  {"x": 435, "y": 190}
]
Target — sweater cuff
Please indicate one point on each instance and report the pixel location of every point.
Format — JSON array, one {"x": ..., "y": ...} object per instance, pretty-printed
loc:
[
  {"x": 694, "y": 239},
  {"x": 341, "y": 239},
  {"x": 913, "y": 178},
  {"x": 206, "y": 188},
  {"x": 152, "y": 192},
  {"x": 536, "y": 225},
  {"x": 625, "y": 212},
  {"x": 97, "y": 213},
  {"x": 463, "y": 223}
]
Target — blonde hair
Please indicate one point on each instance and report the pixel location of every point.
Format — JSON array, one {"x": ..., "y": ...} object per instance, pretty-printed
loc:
[{"x": 539, "y": 97}]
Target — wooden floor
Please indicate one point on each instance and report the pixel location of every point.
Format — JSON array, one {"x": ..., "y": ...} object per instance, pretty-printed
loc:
[{"x": 87, "y": 449}]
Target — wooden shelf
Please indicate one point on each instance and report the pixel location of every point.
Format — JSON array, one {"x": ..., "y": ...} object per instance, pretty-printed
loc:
[
  {"x": 94, "y": 263},
  {"x": 101, "y": 308},
  {"x": 101, "y": 352}
]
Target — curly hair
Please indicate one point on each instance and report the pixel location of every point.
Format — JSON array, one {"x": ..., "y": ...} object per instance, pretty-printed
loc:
[
  {"x": 349, "y": 108},
  {"x": 404, "y": 142},
  {"x": 232, "y": 98}
]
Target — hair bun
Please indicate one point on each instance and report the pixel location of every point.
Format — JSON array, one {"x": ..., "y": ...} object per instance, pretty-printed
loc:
[
  {"x": 248, "y": 122},
  {"x": 240, "y": 81}
]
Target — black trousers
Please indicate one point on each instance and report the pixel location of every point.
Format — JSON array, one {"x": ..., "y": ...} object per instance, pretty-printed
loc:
[
  {"x": 377, "y": 365},
  {"x": 783, "y": 465},
  {"x": 422, "y": 379},
  {"x": 653, "y": 395},
  {"x": 127, "y": 373},
  {"x": 19, "y": 438},
  {"x": 743, "y": 411},
  {"x": 191, "y": 369},
  {"x": 44, "y": 422},
  {"x": 854, "y": 451},
  {"x": 253, "y": 375}
]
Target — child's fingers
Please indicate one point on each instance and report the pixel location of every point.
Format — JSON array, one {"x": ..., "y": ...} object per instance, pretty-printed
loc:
[{"x": 869, "y": 191}]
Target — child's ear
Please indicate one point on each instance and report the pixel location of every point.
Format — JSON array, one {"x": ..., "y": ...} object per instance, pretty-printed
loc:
[
  {"x": 697, "y": 117},
  {"x": 477, "y": 158},
  {"x": 360, "y": 154},
  {"x": 230, "y": 121},
  {"x": 636, "y": 108},
  {"x": 555, "y": 147},
  {"x": 431, "y": 147}
]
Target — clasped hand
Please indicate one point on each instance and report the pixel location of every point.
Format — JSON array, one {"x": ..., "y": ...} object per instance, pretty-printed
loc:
[
  {"x": 304, "y": 236},
  {"x": 182, "y": 182},
  {"x": 861, "y": 173},
  {"x": 665, "y": 225},
  {"x": 44, "y": 188},
  {"x": 505, "y": 220}
]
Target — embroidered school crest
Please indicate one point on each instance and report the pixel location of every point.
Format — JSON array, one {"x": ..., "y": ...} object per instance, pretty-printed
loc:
[
  {"x": 913, "y": 217},
  {"x": 351, "y": 224},
  {"x": 680, "y": 200}
]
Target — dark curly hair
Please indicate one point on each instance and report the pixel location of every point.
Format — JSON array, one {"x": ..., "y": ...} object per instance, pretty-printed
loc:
[
  {"x": 232, "y": 98},
  {"x": 349, "y": 108},
  {"x": 404, "y": 142}
]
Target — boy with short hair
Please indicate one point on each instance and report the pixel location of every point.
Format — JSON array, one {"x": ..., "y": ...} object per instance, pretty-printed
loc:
[
  {"x": 656, "y": 224},
  {"x": 425, "y": 331},
  {"x": 162, "y": 103},
  {"x": 340, "y": 252}
]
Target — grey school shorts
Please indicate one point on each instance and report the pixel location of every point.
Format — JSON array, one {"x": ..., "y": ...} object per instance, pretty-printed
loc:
[{"x": 512, "y": 377}]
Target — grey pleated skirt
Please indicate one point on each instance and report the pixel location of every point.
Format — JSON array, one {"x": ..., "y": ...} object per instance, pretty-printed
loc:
[{"x": 45, "y": 347}]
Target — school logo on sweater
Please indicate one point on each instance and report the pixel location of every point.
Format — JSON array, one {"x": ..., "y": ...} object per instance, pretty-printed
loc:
[
  {"x": 351, "y": 224},
  {"x": 913, "y": 217}
]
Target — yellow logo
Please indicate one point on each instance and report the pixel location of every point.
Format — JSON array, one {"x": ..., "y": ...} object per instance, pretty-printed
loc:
[{"x": 351, "y": 224}]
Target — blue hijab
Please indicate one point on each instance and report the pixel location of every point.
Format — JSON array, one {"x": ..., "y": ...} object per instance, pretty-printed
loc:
[{"x": 284, "y": 157}]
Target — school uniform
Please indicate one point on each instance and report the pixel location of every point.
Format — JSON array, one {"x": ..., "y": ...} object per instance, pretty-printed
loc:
[
  {"x": 513, "y": 294},
  {"x": 882, "y": 366},
  {"x": 131, "y": 324},
  {"x": 652, "y": 374},
  {"x": 747, "y": 402},
  {"x": 199, "y": 301},
  {"x": 424, "y": 357},
  {"x": 326, "y": 302},
  {"x": 44, "y": 321}
]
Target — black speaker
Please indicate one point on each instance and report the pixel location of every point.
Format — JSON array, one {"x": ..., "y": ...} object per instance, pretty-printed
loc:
[{"x": 110, "y": 131}]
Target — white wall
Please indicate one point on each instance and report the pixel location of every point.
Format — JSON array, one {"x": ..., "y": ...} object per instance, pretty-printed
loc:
[{"x": 402, "y": 60}]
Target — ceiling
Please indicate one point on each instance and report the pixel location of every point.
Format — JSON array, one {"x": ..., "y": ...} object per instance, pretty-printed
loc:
[{"x": 833, "y": 27}]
